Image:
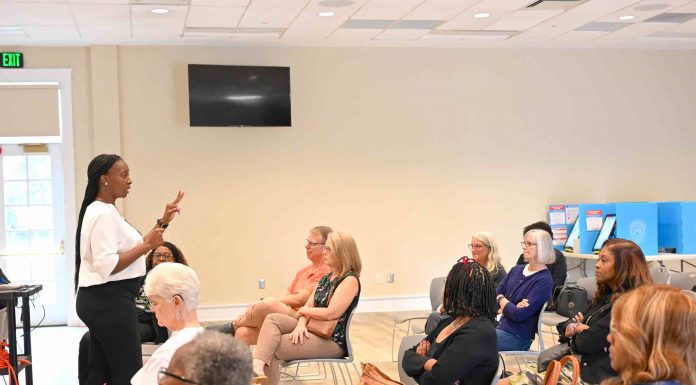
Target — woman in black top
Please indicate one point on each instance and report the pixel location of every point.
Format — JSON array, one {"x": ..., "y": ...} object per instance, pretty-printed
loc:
[
  {"x": 621, "y": 267},
  {"x": 464, "y": 347}
]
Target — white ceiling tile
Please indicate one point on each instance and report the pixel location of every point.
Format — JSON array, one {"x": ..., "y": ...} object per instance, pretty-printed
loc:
[
  {"x": 52, "y": 32},
  {"x": 401, "y": 34},
  {"x": 687, "y": 8},
  {"x": 156, "y": 32},
  {"x": 271, "y": 13},
  {"x": 580, "y": 36},
  {"x": 121, "y": 2},
  {"x": 224, "y": 3},
  {"x": 572, "y": 19},
  {"x": 523, "y": 20},
  {"x": 309, "y": 23},
  {"x": 439, "y": 9},
  {"x": 386, "y": 9},
  {"x": 107, "y": 33},
  {"x": 688, "y": 27},
  {"x": 644, "y": 10},
  {"x": 354, "y": 35},
  {"x": 43, "y": 14},
  {"x": 101, "y": 15},
  {"x": 634, "y": 32},
  {"x": 497, "y": 10},
  {"x": 6, "y": 16},
  {"x": 141, "y": 16},
  {"x": 213, "y": 16}
]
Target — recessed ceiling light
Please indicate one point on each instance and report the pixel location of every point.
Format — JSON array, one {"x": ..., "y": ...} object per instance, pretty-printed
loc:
[
  {"x": 482, "y": 15},
  {"x": 159, "y": 10},
  {"x": 627, "y": 17},
  {"x": 327, "y": 14}
]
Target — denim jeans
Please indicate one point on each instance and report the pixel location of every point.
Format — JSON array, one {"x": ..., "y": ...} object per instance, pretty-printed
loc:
[{"x": 510, "y": 342}]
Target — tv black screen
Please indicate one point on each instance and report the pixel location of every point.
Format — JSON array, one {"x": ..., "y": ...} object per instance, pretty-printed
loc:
[{"x": 221, "y": 95}]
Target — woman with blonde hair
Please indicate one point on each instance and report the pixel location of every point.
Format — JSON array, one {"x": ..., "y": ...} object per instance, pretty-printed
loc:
[
  {"x": 653, "y": 337},
  {"x": 283, "y": 337},
  {"x": 485, "y": 251}
]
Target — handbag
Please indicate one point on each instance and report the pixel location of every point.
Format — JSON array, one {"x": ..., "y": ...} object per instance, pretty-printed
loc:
[
  {"x": 371, "y": 375},
  {"x": 553, "y": 353},
  {"x": 555, "y": 375},
  {"x": 571, "y": 300},
  {"x": 322, "y": 328}
]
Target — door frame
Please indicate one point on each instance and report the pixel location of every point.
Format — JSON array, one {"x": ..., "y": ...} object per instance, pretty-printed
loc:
[{"x": 62, "y": 76}]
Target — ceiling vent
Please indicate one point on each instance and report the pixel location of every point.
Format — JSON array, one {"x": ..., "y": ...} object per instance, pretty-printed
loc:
[
  {"x": 562, "y": 5},
  {"x": 159, "y": 2}
]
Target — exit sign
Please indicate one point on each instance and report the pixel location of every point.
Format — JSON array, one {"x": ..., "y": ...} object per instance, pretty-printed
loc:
[{"x": 11, "y": 60}]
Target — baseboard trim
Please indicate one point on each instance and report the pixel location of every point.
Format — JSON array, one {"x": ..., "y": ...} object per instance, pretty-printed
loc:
[{"x": 213, "y": 313}]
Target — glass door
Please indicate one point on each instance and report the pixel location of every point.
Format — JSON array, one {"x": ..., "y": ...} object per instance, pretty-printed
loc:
[{"x": 32, "y": 226}]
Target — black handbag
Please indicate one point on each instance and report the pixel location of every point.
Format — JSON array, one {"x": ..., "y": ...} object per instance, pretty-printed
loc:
[
  {"x": 555, "y": 352},
  {"x": 572, "y": 300}
]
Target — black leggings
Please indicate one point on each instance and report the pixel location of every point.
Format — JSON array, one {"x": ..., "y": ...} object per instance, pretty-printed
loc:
[{"x": 108, "y": 310}]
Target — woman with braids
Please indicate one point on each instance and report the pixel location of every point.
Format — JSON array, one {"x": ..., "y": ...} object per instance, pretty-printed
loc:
[
  {"x": 109, "y": 266},
  {"x": 463, "y": 348}
]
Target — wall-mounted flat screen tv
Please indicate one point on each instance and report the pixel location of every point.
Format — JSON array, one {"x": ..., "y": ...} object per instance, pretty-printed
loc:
[{"x": 221, "y": 95}]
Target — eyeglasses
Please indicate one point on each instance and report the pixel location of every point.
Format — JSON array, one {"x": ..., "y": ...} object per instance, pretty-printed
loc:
[
  {"x": 163, "y": 373},
  {"x": 326, "y": 249},
  {"x": 465, "y": 260},
  {"x": 163, "y": 256},
  {"x": 312, "y": 244},
  {"x": 476, "y": 246},
  {"x": 527, "y": 244}
]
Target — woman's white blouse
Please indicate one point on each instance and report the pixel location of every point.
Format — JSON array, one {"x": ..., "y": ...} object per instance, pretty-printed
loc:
[{"x": 104, "y": 235}]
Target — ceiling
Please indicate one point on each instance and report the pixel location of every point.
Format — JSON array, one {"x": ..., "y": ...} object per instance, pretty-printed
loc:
[{"x": 364, "y": 23}]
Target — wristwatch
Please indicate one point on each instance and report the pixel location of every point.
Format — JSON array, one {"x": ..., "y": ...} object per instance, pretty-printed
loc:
[{"x": 162, "y": 225}]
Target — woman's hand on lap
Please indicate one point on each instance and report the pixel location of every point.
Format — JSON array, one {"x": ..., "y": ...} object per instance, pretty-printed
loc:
[{"x": 299, "y": 334}]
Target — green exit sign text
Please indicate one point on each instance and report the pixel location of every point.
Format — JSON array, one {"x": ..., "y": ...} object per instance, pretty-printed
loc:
[{"x": 12, "y": 60}]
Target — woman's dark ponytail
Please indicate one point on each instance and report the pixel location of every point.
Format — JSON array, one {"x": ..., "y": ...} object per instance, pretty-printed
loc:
[{"x": 99, "y": 166}]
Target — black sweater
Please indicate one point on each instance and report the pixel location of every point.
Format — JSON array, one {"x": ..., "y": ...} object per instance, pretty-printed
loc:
[
  {"x": 592, "y": 343},
  {"x": 469, "y": 355}
]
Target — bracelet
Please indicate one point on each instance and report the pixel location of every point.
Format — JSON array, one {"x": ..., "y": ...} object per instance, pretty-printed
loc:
[{"x": 162, "y": 225}]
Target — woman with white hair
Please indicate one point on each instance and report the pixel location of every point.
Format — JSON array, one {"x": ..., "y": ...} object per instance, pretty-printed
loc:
[
  {"x": 485, "y": 251},
  {"x": 524, "y": 291},
  {"x": 172, "y": 289}
]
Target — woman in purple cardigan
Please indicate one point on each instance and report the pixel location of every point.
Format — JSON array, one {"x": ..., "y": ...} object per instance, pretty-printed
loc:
[{"x": 524, "y": 291}]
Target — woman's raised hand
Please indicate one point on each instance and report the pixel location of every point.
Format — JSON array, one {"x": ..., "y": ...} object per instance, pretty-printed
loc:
[
  {"x": 154, "y": 238},
  {"x": 299, "y": 334},
  {"x": 172, "y": 208}
]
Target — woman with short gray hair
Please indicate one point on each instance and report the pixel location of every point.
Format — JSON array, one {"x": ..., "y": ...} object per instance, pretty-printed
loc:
[
  {"x": 524, "y": 291},
  {"x": 172, "y": 289}
]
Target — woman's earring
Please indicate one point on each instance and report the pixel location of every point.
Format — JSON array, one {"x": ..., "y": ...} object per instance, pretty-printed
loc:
[
  {"x": 106, "y": 183},
  {"x": 178, "y": 315}
]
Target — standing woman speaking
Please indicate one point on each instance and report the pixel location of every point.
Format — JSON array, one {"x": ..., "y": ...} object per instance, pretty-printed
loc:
[{"x": 109, "y": 266}]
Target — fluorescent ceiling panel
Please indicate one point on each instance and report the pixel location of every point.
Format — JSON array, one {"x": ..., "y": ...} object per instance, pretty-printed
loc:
[
  {"x": 416, "y": 24},
  {"x": 600, "y": 26},
  {"x": 672, "y": 18},
  {"x": 366, "y": 24}
]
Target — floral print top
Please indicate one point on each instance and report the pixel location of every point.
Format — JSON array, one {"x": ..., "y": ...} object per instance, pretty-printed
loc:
[{"x": 322, "y": 295}]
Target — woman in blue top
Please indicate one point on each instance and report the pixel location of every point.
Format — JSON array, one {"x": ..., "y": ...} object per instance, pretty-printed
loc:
[
  {"x": 652, "y": 337},
  {"x": 524, "y": 291}
]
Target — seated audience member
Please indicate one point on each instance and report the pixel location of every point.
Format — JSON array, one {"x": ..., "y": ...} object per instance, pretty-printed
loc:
[
  {"x": 172, "y": 289},
  {"x": 653, "y": 338},
  {"x": 463, "y": 347},
  {"x": 524, "y": 291},
  {"x": 246, "y": 327},
  {"x": 484, "y": 250},
  {"x": 210, "y": 359},
  {"x": 148, "y": 328},
  {"x": 283, "y": 337},
  {"x": 559, "y": 268},
  {"x": 621, "y": 268}
]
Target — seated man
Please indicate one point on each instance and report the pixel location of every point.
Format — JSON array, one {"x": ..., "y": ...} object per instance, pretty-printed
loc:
[
  {"x": 246, "y": 327},
  {"x": 209, "y": 359},
  {"x": 558, "y": 269}
]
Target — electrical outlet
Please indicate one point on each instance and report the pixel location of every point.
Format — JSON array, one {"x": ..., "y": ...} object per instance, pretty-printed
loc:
[
  {"x": 262, "y": 283},
  {"x": 379, "y": 278},
  {"x": 390, "y": 277}
]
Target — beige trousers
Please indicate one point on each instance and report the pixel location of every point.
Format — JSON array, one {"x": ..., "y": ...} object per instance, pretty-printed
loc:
[
  {"x": 248, "y": 324},
  {"x": 274, "y": 345}
]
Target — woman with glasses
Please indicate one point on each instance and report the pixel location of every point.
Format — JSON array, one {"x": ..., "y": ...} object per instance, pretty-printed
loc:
[
  {"x": 283, "y": 337},
  {"x": 462, "y": 348},
  {"x": 653, "y": 337},
  {"x": 524, "y": 291},
  {"x": 172, "y": 289},
  {"x": 485, "y": 251}
]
